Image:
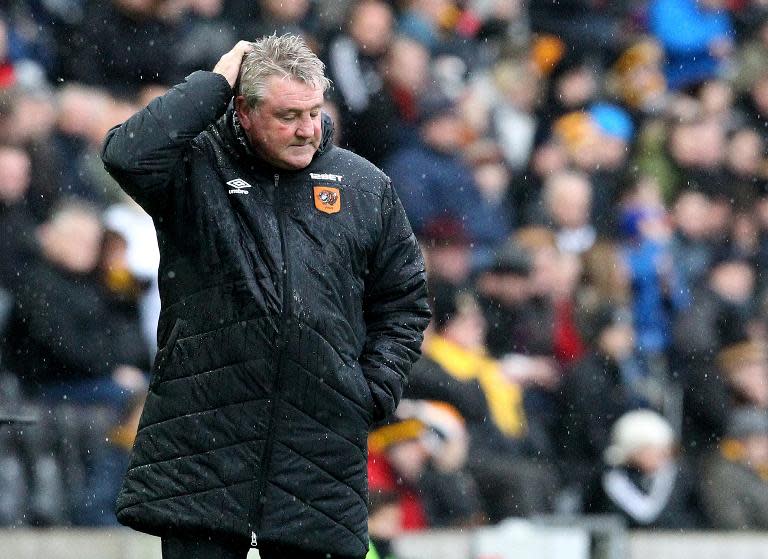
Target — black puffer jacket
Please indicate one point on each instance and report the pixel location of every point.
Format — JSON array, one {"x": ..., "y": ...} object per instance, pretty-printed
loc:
[{"x": 285, "y": 330}]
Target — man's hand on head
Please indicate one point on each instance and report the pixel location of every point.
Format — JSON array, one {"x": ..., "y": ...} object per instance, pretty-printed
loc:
[{"x": 229, "y": 64}]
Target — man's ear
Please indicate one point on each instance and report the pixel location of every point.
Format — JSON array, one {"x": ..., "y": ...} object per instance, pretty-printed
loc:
[{"x": 243, "y": 111}]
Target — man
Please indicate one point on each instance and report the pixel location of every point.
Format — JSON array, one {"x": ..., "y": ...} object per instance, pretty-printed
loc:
[
  {"x": 79, "y": 354},
  {"x": 293, "y": 304},
  {"x": 505, "y": 457},
  {"x": 435, "y": 181},
  {"x": 66, "y": 335},
  {"x": 16, "y": 222},
  {"x": 599, "y": 388},
  {"x": 355, "y": 57},
  {"x": 733, "y": 485}
]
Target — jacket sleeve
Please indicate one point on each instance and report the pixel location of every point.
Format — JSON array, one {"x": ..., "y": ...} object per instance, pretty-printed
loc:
[
  {"x": 143, "y": 152},
  {"x": 395, "y": 307}
]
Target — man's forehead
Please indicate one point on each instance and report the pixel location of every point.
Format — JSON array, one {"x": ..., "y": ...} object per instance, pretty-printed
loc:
[{"x": 288, "y": 93}]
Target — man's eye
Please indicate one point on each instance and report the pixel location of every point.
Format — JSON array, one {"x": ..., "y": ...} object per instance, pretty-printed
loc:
[{"x": 314, "y": 114}]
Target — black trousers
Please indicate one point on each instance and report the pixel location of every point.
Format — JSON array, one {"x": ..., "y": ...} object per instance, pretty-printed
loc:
[{"x": 205, "y": 548}]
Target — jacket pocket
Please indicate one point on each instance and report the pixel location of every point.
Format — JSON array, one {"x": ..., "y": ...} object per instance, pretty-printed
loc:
[
  {"x": 164, "y": 354},
  {"x": 365, "y": 393}
]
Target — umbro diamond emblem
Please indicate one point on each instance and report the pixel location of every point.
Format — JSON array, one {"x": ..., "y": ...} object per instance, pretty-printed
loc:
[{"x": 239, "y": 186}]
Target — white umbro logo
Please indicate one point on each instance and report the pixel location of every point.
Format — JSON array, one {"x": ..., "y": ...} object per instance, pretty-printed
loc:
[{"x": 238, "y": 186}]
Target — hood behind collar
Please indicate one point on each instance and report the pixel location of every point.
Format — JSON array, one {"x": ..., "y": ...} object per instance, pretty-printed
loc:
[{"x": 234, "y": 138}]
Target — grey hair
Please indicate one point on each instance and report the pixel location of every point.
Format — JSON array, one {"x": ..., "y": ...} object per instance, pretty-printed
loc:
[{"x": 279, "y": 55}]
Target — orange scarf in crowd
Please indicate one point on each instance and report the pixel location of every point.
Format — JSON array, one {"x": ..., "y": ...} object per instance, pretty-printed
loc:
[{"x": 505, "y": 398}]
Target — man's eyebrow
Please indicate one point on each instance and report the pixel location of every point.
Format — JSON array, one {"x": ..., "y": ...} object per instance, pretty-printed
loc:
[{"x": 297, "y": 111}]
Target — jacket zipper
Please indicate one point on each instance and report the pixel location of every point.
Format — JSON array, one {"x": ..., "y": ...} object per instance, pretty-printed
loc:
[{"x": 258, "y": 509}]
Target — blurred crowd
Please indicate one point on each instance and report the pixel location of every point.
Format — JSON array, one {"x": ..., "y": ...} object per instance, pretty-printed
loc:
[{"x": 589, "y": 183}]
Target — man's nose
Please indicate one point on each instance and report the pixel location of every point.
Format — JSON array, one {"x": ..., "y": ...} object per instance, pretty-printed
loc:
[{"x": 306, "y": 128}]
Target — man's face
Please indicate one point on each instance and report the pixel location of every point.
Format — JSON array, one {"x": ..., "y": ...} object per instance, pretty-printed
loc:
[
  {"x": 14, "y": 175},
  {"x": 444, "y": 133},
  {"x": 285, "y": 127},
  {"x": 287, "y": 10},
  {"x": 371, "y": 27},
  {"x": 73, "y": 241}
]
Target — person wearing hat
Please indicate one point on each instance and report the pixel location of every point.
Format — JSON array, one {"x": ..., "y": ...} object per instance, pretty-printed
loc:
[
  {"x": 504, "y": 289},
  {"x": 417, "y": 460},
  {"x": 734, "y": 478},
  {"x": 643, "y": 481},
  {"x": 434, "y": 180},
  {"x": 447, "y": 250},
  {"x": 518, "y": 302},
  {"x": 615, "y": 136}
]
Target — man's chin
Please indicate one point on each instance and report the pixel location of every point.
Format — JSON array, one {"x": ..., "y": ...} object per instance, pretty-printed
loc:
[{"x": 298, "y": 161}]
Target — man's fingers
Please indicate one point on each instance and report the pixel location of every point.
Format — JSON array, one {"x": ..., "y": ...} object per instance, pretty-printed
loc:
[
  {"x": 244, "y": 46},
  {"x": 229, "y": 64}
]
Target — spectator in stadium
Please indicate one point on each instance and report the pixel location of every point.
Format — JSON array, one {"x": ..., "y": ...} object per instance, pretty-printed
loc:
[
  {"x": 657, "y": 293},
  {"x": 697, "y": 36},
  {"x": 389, "y": 121},
  {"x": 61, "y": 347},
  {"x": 637, "y": 79},
  {"x": 587, "y": 27},
  {"x": 754, "y": 104},
  {"x": 504, "y": 288},
  {"x": 507, "y": 95},
  {"x": 752, "y": 52},
  {"x": 420, "y": 456},
  {"x": 447, "y": 251},
  {"x": 527, "y": 188},
  {"x": 691, "y": 247},
  {"x": 553, "y": 285},
  {"x": 314, "y": 315},
  {"x": 355, "y": 64},
  {"x": 70, "y": 344},
  {"x": 614, "y": 133},
  {"x": 605, "y": 277},
  {"x": 696, "y": 148},
  {"x": 207, "y": 33},
  {"x": 608, "y": 382},
  {"x": 505, "y": 458},
  {"x": 744, "y": 166},
  {"x": 738, "y": 377},
  {"x": 727, "y": 290},
  {"x": 426, "y": 21},
  {"x": 568, "y": 203},
  {"x": 433, "y": 178},
  {"x": 643, "y": 481},
  {"x": 104, "y": 58},
  {"x": 734, "y": 476},
  {"x": 265, "y": 17},
  {"x": 573, "y": 86},
  {"x": 17, "y": 226}
]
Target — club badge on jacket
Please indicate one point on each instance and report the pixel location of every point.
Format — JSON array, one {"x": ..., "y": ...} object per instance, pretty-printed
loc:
[{"x": 327, "y": 199}]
